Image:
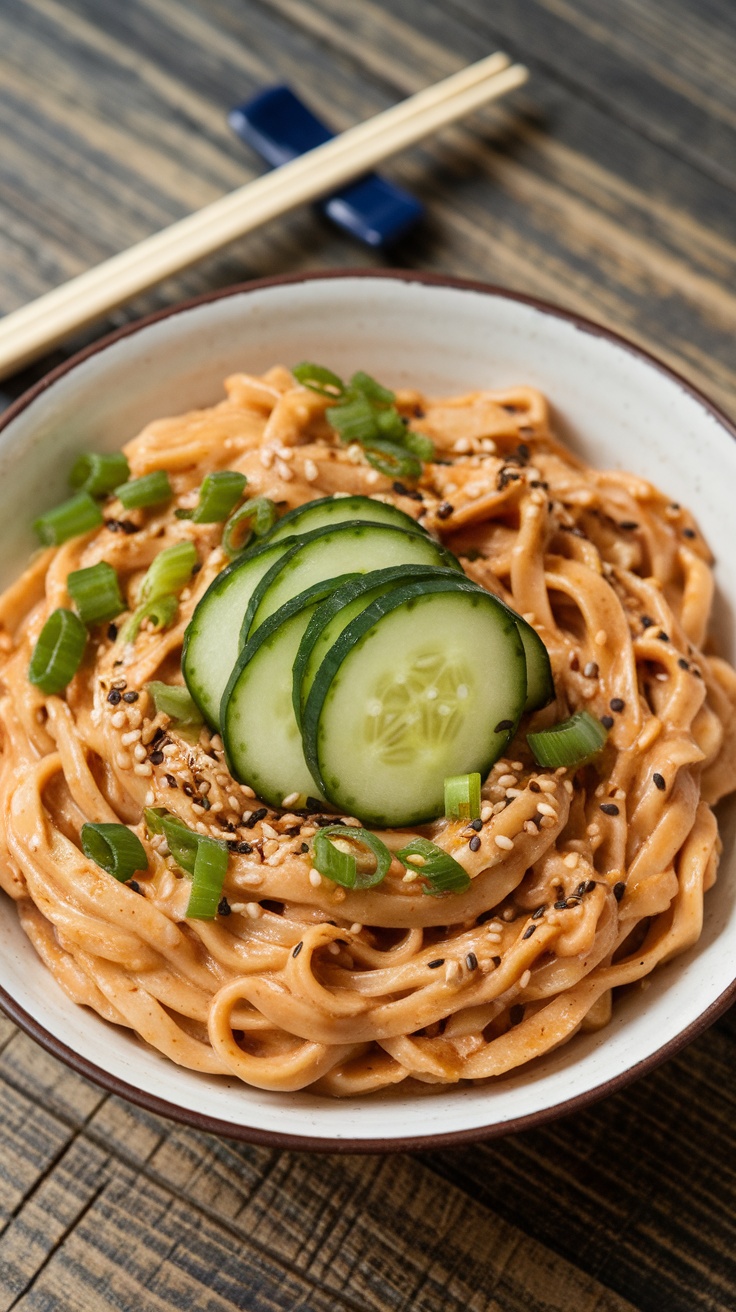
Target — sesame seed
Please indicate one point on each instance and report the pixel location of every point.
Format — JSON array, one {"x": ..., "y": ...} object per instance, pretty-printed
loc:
[
  {"x": 114, "y": 696},
  {"x": 524, "y": 979},
  {"x": 118, "y": 720},
  {"x": 223, "y": 907},
  {"x": 452, "y": 970},
  {"x": 537, "y": 915},
  {"x": 530, "y": 827},
  {"x": 503, "y": 842},
  {"x": 432, "y": 965},
  {"x": 617, "y": 704},
  {"x": 474, "y": 843},
  {"x": 571, "y": 860},
  {"x": 253, "y": 909},
  {"x": 528, "y": 932},
  {"x": 590, "y": 670},
  {"x": 619, "y": 890},
  {"x": 311, "y": 472},
  {"x": 471, "y": 961},
  {"x": 486, "y": 813},
  {"x": 298, "y": 948},
  {"x": 507, "y": 781},
  {"x": 567, "y": 785},
  {"x": 546, "y": 822},
  {"x": 688, "y": 533},
  {"x": 143, "y": 769},
  {"x": 444, "y": 510},
  {"x": 139, "y": 752},
  {"x": 659, "y": 781},
  {"x": 647, "y": 621},
  {"x": 609, "y": 808},
  {"x": 356, "y": 928},
  {"x": 683, "y": 664},
  {"x": 547, "y": 785},
  {"x": 410, "y": 877},
  {"x": 266, "y": 457},
  {"x": 607, "y": 721},
  {"x": 544, "y": 808},
  {"x": 601, "y": 638},
  {"x": 130, "y": 696},
  {"x": 284, "y": 472},
  {"x": 315, "y": 878},
  {"x": 503, "y": 726},
  {"x": 417, "y": 859},
  {"x": 334, "y": 949}
]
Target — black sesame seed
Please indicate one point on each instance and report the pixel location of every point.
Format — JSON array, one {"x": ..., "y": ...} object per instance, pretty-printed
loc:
[
  {"x": 477, "y": 825},
  {"x": 304, "y": 847},
  {"x": 618, "y": 891},
  {"x": 324, "y": 820},
  {"x": 112, "y": 632},
  {"x": 312, "y": 805},
  {"x": 254, "y": 818},
  {"x": 689, "y": 533},
  {"x": 573, "y": 901},
  {"x": 609, "y": 808},
  {"x": 560, "y": 906},
  {"x": 298, "y": 948},
  {"x": 128, "y": 526},
  {"x": 607, "y": 721},
  {"x": 496, "y": 961},
  {"x": 663, "y": 637},
  {"x": 244, "y": 849},
  {"x": 223, "y": 907},
  {"x": 537, "y": 915},
  {"x": 156, "y": 757},
  {"x": 114, "y": 696},
  {"x": 134, "y": 885},
  {"x": 659, "y": 781},
  {"x": 534, "y": 786},
  {"x": 580, "y": 888},
  {"x": 617, "y": 704},
  {"x": 590, "y": 885},
  {"x": 683, "y": 664},
  {"x": 399, "y": 488},
  {"x": 516, "y": 1013},
  {"x": 528, "y": 932},
  {"x": 503, "y": 726},
  {"x": 647, "y": 621},
  {"x": 471, "y": 961},
  {"x": 205, "y": 802},
  {"x": 629, "y": 525},
  {"x": 444, "y": 510},
  {"x": 196, "y": 568},
  {"x": 171, "y": 781},
  {"x": 474, "y": 843},
  {"x": 130, "y": 696},
  {"x": 188, "y": 790},
  {"x": 432, "y": 965}
]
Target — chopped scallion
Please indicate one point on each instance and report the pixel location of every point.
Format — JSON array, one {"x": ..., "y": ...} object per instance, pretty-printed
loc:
[
  {"x": 159, "y": 612},
  {"x": 97, "y": 473},
  {"x": 393, "y": 460},
  {"x": 96, "y": 593},
  {"x": 58, "y": 653},
  {"x": 114, "y": 848},
  {"x": 318, "y": 379},
  {"x": 419, "y": 444},
  {"x": 77, "y": 515},
  {"x": 354, "y": 420},
  {"x": 149, "y": 490},
  {"x": 218, "y": 496},
  {"x": 174, "y": 700},
  {"x": 168, "y": 573},
  {"x": 342, "y": 867},
  {"x": 462, "y": 796},
  {"x": 362, "y": 382},
  {"x": 210, "y": 868},
  {"x": 570, "y": 743},
  {"x": 254, "y": 519},
  {"x": 443, "y": 873}
]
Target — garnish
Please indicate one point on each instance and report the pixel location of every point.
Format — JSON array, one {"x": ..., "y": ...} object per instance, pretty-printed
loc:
[
  {"x": 96, "y": 593},
  {"x": 342, "y": 866},
  {"x": 255, "y": 518},
  {"x": 98, "y": 474},
  {"x": 218, "y": 496},
  {"x": 174, "y": 700},
  {"x": 114, "y": 848},
  {"x": 443, "y": 873},
  {"x": 462, "y": 796},
  {"x": 366, "y": 413},
  {"x": 205, "y": 859},
  {"x": 165, "y": 577},
  {"x": 58, "y": 653},
  {"x": 149, "y": 490},
  {"x": 77, "y": 515},
  {"x": 571, "y": 743}
]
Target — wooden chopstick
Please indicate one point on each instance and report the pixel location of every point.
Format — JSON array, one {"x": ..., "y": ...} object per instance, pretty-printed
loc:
[{"x": 28, "y": 332}]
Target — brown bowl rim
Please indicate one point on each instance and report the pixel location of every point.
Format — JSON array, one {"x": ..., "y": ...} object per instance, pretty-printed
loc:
[{"x": 271, "y": 1138}]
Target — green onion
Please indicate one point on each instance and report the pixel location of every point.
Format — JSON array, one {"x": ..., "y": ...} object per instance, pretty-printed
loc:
[
  {"x": 462, "y": 796},
  {"x": 218, "y": 495},
  {"x": 362, "y": 382},
  {"x": 393, "y": 460},
  {"x": 114, "y": 848},
  {"x": 443, "y": 872},
  {"x": 150, "y": 490},
  {"x": 255, "y": 518},
  {"x": 98, "y": 474},
  {"x": 168, "y": 573},
  {"x": 58, "y": 653},
  {"x": 95, "y": 593},
  {"x": 154, "y": 818},
  {"x": 174, "y": 701},
  {"x": 159, "y": 612},
  {"x": 77, "y": 515},
  {"x": 390, "y": 425},
  {"x": 354, "y": 420},
  {"x": 570, "y": 743},
  {"x": 319, "y": 379},
  {"x": 419, "y": 444},
  {"x": 210, "y": 868},
  {"x": 342, "y": 867}
]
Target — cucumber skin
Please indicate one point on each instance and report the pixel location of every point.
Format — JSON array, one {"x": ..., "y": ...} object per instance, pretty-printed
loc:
[
  {"x": 351, "y": 636},
  {"x": 331, "y": 607},
  {"x": 343, "y": 526},
  {"x": 533, "y": 643},
  {"x": 218, "y": 584},
  {"x": 399, "y": 517}
]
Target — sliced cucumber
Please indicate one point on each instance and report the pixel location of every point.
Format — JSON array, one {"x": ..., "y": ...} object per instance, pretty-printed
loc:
[
  {"x": 262, "y": 740},
  {"x": 412, "y": 691},
  {"x": 337, "y": 611},
  {"x": 333, "y": 510},
  {"x": 212, "y": 638},
  {"x": 540, "y": 687},
  {"x": 351, "y": 546}
]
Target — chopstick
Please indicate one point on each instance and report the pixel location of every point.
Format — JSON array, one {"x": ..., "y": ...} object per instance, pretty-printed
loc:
[{"x": 37, "y": 327}]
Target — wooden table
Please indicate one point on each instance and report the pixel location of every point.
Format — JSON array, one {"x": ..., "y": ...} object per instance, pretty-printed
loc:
[{"x": 607, "y": 185}]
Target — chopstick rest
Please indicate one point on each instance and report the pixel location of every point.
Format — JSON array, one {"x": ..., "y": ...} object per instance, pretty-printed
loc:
[{"x": 279, "y": 126}]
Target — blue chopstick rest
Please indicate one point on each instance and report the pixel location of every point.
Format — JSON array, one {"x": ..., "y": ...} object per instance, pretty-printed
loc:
[{"x": 280, "y": 127}]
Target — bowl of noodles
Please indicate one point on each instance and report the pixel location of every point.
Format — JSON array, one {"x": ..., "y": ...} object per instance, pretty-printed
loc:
[{"x": 205, "y": 947}]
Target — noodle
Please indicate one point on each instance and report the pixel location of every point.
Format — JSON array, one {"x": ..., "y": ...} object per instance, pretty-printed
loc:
[{"x": 582, "y": 882}]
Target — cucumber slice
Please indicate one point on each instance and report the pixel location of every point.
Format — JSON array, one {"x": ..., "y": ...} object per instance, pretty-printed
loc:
[
  {"x": 328, "y": 511},
  {"x": 212, "y": 637},
  {"x": 412, "y": 691},
  {"x": 540, "y": 688},
  {"x": 263, "y": 745},
  {"x": 337, "y": 611},
  {"x": 351, "y": 546}
]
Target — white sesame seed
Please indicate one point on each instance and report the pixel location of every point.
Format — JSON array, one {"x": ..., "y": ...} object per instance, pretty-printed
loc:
[
  {"x": 283, "y": 471},
  {"x": 547, "y": 785},
  {"x": 486, "y": 812},
  {"x": 509, "y": 913},
  {"x": 291, "y": 800},
  {"x": 410, "y": 876},
  {"x": 495, "y": 936},
  {"x": 311, "y": 472},
  {"x": 547, "y": 822},
  {"x": 123, "y": 761},
  {"x": 143, "y": 769},
  {"x": 517, "y": 766},
  {"x": 452, "y": 970},
  {"x": 253, "y": 909},
  {"x": 523, "y": 982},
  {"x": 462, "y": 446},
  {"x": 417, "y": 860},
  {"x": 134, "y": 717},
  {"x": 201, "y": 827},
  {"x": 244, "y": 788},
  {"x": 372, "y": 476},
  {"x": 601, "y": 638},
  {"x": 245, "y": 817},
  {"x": 356, "y": 928},
  {"x": 568, "y": 786},
  {"x": 118, "y": 720},
  {"x": 286, "y": 452},
  {"x": 334, "y": 948},
  {"x": 237, "y": 907},
  {"x": 268, "y": 831},
  {"x": 198, "y": 808},
  {"x": 216, "y": 742},
  {"x": 507, "y": 781},
  {"x": 488, "y": 445},
  {"x": 503, "y": 842},
  {"x": 514, "y": 792},
  {"x": 139, "y": 752},
  {"x": 530, "y": 827},
  {"x": 150, "y": 797},
  {"x": 571, "y": 860},
  {"x": 233, "y": 802},
  {"x": 544, "y": 808},
  {"x": 315, "y": 878},
  {"x": 266, "y": 456}
]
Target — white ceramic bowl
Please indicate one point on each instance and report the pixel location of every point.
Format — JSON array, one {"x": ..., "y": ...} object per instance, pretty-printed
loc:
[{"x": 618, "y": 406}]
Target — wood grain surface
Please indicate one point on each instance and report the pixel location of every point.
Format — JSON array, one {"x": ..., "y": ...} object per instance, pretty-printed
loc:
[{"x": 607, "y": 185}]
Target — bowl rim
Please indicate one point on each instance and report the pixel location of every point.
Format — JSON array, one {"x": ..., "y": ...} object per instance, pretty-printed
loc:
[{"x": 271, "y": 1138}]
